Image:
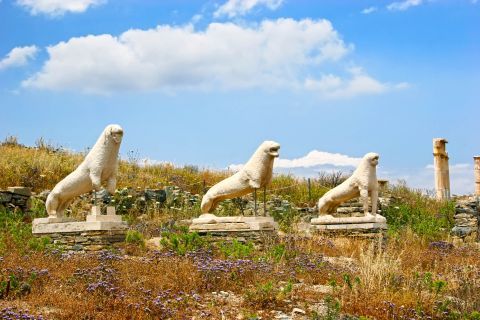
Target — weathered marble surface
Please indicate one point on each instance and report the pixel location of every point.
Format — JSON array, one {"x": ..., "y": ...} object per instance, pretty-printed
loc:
[
  {"x": 95, "y": 222},
  {"x": 363, "y": 183},
  {"x": 441, "y": 169},
  {"x": 77, "y": 226},
  {"x": 209, "y": 222},
  {"x": 369, "y": 218},
  {"x": 99, "y": 166},
  {"x": 257, "y": 173}
]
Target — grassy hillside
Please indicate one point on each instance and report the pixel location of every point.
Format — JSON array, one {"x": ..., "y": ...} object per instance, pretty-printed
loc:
[
  {"x": 41, "y": 167},
  {"x": 414, "y": 275}
]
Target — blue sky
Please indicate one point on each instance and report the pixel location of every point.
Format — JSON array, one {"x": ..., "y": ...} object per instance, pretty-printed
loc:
[{"x": 195, "y": 82}]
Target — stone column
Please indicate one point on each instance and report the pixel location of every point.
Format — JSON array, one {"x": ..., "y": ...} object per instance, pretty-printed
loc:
[
  {"x": 440, "y": 163},
  {"x": 476, "y": 169},
  {"x": 382, "y": 186}
]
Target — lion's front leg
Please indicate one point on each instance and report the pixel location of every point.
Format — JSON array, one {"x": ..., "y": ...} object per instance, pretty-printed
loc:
[
  {"x": 364, "y": 199},
  {"x": 111, "y": 184},
  {"x": 374, "y": 198},
  {"x": 96, "y": 178}
]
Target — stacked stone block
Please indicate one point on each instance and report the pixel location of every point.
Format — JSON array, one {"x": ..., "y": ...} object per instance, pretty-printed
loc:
[
  {"x": 16, "y": 197},
  {"x": 88, "y": 240},
  {"x": 467, "y": 218}
]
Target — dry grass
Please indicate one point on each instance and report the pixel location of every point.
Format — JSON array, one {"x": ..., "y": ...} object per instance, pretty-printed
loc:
[
  {"x": 40, "y": 168},
  {"x": 407, "y": 278},
  {"x": 408, "y": 281}
]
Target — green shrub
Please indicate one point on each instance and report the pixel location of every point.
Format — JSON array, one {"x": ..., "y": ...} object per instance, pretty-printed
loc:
[
  {"x": 333, "y": 308},
  {"x": 135, "y": 237},
  {"x": 236, "y": 249},
  {"x": 183, "y": 242},
  {"x": 262, "y": 295},
  {"x": 14, "y": 230},
  {"x": 267, "y": 294},
  {"x": 16, "y": 284},
  {"x": 39, "y": 244},
  {"x": 286, "y": 216},
  {"x": 279, "y": 252},
  {"x": 425, "y": 216}
]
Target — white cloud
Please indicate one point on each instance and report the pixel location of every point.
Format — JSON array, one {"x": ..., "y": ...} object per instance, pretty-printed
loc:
[
  {"x": 57, "y": 7},
  {"x": 461, "y": 178},
  {"x": 273, "y": 53},
  {"x": 233, "y": 8},
  {"x": 318, "y": 158},
  {"x": 403, "y": 5},
  {"x": 402, "y": 85},
  {"x": 146, "y": 162},
  {"x": 18, "y": 56},
  {"x": 369, "y": 10},
  {"x": 359, "y": 83},
  {"x": 313, "y": 160}
]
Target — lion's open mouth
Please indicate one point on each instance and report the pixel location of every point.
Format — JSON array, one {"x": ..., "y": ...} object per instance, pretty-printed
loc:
[
  {"x": 117, "y": 137},
  {"x": 274, "y": 151}
]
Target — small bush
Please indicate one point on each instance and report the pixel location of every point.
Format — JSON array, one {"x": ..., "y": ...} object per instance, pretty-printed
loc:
[
  {"x": 15, "y": 233},
  {"x": 182, "y": 243},
  {"x": 18, "y": 283},
  {"x": 333, "y": 308},
  {"x": 236, "y": 249},
  {"x": 135, "y": 237},
  {"x": 262, "y": 295},
  {"x": 39, "y": 244},
  {"x": 425, "y": 216}
]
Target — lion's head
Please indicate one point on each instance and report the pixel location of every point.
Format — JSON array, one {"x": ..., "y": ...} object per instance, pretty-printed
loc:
[
  {"x": 114, "y": 133},
  {"x": 271, "y": 148},
  {"x": 371, "y": 158}
]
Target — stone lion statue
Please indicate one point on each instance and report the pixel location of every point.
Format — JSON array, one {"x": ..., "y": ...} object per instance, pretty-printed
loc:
[
  {"x": 363, "y": 183},
  {"x": 257, "y": 173},
  {"x": 99, "y": 166}
]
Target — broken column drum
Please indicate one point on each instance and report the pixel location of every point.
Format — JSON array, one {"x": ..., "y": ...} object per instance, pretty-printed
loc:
[
  {"x": 476, "y": 167},
  {"x": 440, "y": 163}
]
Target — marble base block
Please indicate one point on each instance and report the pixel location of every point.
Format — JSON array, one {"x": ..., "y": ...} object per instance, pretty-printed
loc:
[
  {"x": 40, "y": 227},
  {"x": 368, "y": 222},
  {"x": 94, "y": 222},
  {"x": 209, "y": 222},
  {"x": 259, "y": 230},
  {"x": 96, "y": 233}
]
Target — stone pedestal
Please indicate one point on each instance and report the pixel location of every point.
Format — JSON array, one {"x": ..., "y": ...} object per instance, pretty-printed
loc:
[
  {"x": 329, "y": 222},
  {"x": 370, "y": 226},
  {"x": 350, "y": 220},
  {"x": 237, "y": 227},
  {"x": 96, "y": 233}
]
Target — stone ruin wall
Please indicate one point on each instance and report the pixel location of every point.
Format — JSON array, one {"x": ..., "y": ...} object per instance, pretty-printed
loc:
[
  {"x": 467, "y": 211},
  {"x": 467, "y": 220},
  {"x": 15, "y": 198}
]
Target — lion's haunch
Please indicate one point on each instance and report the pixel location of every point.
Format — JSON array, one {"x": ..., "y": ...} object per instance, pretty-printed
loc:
[
  {"x": 363, "y": 183},
  {"x": 99, "y": 166}
]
